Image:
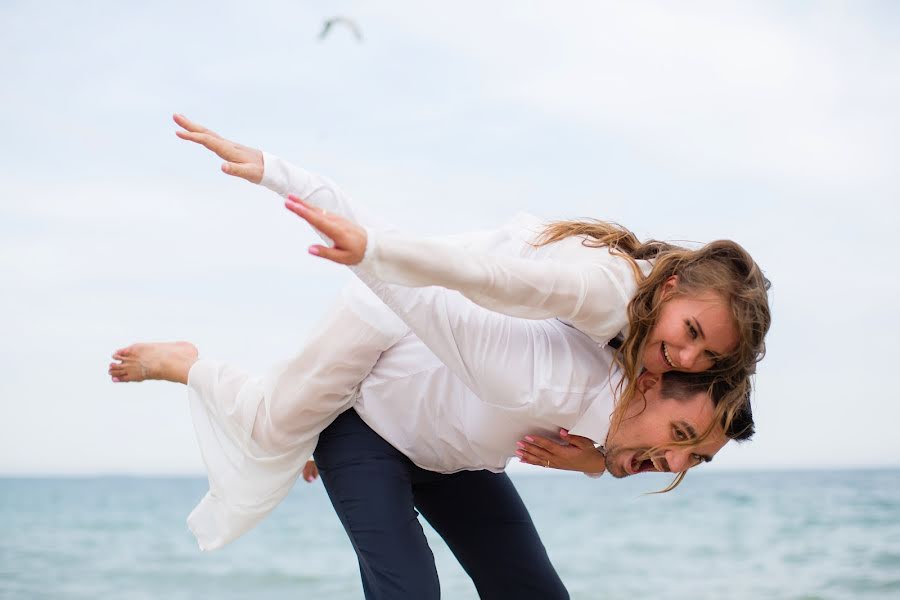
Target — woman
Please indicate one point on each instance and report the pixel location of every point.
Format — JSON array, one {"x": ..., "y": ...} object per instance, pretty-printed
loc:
[{"x": 686, "y": 310}]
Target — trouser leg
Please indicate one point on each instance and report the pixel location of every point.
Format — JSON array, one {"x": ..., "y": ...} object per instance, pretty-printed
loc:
[
  {"x": 368, "y": 482},
  {"x": 485, "y": 523}
]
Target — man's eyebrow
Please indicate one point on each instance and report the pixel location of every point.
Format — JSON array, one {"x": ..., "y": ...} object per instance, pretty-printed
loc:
[{"x": 692, "y": 434}]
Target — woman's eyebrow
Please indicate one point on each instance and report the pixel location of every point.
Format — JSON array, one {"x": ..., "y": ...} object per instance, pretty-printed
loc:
[{"x": 699, "y": 327}]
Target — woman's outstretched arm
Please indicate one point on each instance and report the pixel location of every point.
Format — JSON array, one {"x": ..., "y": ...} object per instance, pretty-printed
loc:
[
  {"x": 504, "y": 360},
  {"x": 591, "y": 293},
  {"x": 280, "y": 176}
]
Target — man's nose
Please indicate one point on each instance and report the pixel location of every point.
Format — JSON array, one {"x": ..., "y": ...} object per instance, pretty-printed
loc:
[{"x": 679, "y": 459}]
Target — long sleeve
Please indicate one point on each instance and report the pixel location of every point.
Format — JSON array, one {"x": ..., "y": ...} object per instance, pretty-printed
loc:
[
  {"x": 505, "y": 361},
  {"x": 590, "y": 288},
  {"x": 285, "y": 178}
]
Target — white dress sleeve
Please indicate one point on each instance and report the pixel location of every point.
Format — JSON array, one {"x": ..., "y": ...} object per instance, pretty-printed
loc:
[
  {"x": 285, "y": 178},
  {"x": 590, "y": 291},
  {"x": 505, "y": 361}
]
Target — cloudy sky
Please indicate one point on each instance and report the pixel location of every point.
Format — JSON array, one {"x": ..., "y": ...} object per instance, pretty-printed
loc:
[{"x": 772, "y": 123}]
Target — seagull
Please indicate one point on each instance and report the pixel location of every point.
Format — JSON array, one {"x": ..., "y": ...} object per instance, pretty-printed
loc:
[{"x": 348, "y": 23}]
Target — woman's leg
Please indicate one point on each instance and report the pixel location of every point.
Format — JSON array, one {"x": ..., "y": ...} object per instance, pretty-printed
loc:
[{"x": 256, "y": 434}]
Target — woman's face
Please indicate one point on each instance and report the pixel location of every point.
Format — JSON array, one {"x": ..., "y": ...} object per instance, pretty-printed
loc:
[{"x": 692, "y": 332}]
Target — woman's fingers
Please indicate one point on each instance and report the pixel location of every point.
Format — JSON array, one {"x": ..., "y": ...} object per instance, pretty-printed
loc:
[
  {"x": 186, "y": 123},
  {"x": 349, "y": 239},
  {"x": 541, "y": 442},
  {"x": 536, "y": 450},
  {"x": 314, "y": 216},
  {"x": 530, "y": 458},
  {"x": 333, "y": 254},
  {"x": 222, "y": 148},
  {"x": 310, "y": 471},
  {"x": 250, "y": 172},
  {"x": 580, "y": 442}
]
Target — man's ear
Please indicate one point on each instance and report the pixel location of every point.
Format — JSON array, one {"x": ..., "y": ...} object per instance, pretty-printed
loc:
[{"x": 647, "y": 380}]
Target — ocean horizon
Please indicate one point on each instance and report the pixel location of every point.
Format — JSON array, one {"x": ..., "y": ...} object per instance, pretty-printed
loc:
[{"x": 805, "y": 534}]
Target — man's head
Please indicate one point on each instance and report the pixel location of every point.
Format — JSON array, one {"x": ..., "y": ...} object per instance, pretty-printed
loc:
[{"x": 680, "y": 421}]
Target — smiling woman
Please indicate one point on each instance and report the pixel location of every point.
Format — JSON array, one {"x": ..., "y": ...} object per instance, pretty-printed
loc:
[
  {"x": 702, "y": 310},
  {"x": 660, "y": 306}
]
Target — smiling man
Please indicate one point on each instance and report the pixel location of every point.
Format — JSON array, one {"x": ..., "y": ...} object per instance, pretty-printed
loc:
[
  {"x": 458, "y": 391},
  {"x": 422, "y": 438},
  {"x": 435, "y": 424}
]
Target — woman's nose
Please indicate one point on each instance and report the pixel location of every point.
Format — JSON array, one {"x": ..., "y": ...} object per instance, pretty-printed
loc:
[{"x": 688, "y": 357}]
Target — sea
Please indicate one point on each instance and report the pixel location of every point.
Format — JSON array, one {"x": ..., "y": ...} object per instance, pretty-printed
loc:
[{"x": 802, "y": 535}]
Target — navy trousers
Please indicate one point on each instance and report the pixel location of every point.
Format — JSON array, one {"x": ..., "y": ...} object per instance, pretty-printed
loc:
[{"x": 376, "y": 490}]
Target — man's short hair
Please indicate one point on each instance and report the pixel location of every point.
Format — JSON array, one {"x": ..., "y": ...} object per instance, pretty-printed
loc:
[{"x": 683, "y": 386}]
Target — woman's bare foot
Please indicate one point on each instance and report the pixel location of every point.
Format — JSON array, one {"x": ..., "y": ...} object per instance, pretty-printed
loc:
[{"x": 169, "y": 361}]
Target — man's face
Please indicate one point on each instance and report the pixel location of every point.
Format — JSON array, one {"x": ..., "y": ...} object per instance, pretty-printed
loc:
[{"x": 661, "y": 423}]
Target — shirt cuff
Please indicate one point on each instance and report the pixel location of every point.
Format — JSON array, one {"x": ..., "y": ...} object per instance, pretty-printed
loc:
[
  {"x": 368, "y": 262},
  {"x": 275, "y": 176}
]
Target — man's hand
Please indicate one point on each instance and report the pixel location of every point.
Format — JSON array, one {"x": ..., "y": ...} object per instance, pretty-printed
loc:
[
  {"x": 240, "y": 161},
  {"x": 349, "y": 238},
  {"x": 310, "y": 471},
  {"x": 574, "y": 453}
]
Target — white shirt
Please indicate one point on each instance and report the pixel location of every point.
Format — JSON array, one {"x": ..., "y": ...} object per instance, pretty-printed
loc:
[
  {"x": 467, "y": 384},
  {"x": 586, "y": 286},
  {"x": 456, "y": 393}
]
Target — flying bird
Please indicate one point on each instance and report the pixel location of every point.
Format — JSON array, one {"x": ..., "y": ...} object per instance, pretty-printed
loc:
[{"x": 341, "y": 21}]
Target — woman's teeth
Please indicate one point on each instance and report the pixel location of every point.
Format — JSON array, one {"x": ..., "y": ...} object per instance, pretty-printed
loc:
[{"x": 668, "y": 358}]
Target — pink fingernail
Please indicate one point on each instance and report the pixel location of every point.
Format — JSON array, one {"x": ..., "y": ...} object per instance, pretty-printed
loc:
[
  {"x": 314, "y": 250},
  {"x": 529, "y": 438},
  {"x": 520, "y": 444},
  {"x": 520, "y": 454},
  {"x": 115, "y": 380}
]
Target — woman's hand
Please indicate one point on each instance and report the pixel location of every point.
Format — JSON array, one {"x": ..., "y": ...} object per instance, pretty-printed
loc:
[
  {"x": 240, "y": 161},
  {"x": 310, "y": 471},
  {"x": 349, "y": 238},
  {"x": 575, "y": 453}
]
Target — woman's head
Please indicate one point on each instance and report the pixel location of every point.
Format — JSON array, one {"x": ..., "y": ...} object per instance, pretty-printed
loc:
[
  {"x": 700, "y": 310},
  {"x": 692, "y": 332},
  {"x": 697, "y": 310}
]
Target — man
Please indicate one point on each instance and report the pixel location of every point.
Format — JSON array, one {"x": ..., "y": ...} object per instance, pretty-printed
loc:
[
  {"x": 542, "y": 374},
  {"x": 438, "y": 410},
  {"x": 376, "y": 490}
]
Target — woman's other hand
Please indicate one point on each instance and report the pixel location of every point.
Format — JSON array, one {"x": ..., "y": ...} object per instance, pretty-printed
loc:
[
  {"x": 349, "y": 238},
  {"x": 310, "y": 471},
  {"x": 574, "y": 453},
  {"x": 240, "y": 161}
]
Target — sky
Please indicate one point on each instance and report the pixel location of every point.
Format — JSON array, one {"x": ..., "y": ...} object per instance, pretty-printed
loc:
[{"x": 771, "y": 123}]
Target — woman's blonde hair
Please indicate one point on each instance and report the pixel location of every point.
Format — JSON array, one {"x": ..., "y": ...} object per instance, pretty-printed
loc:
[{"x": 722, "y": 267}]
